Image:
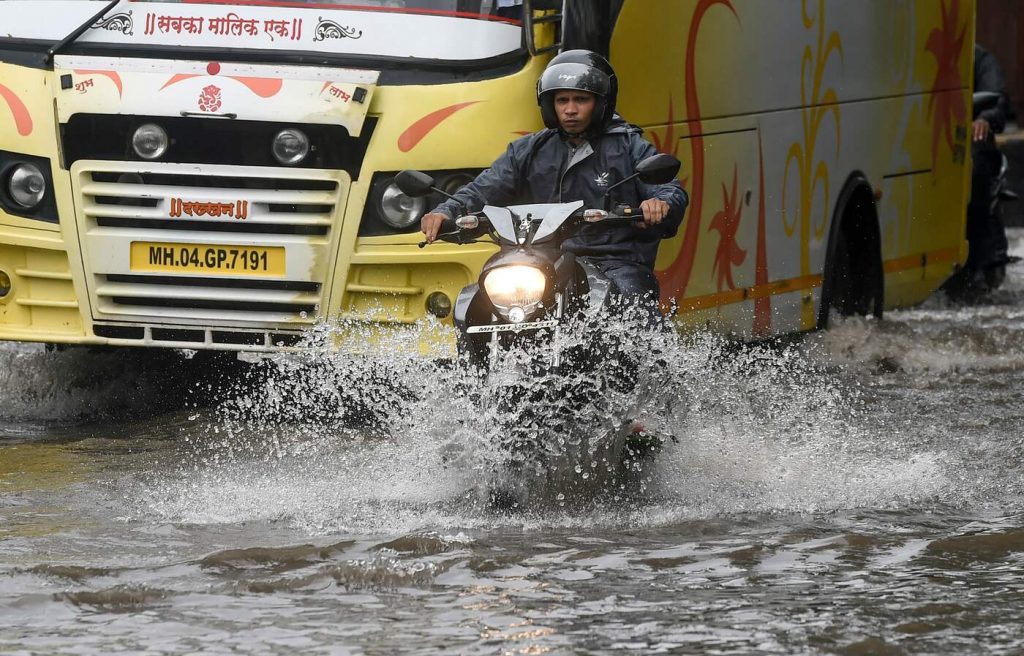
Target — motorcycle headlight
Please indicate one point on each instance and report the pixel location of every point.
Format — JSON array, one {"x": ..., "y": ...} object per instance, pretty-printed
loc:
[
  {"x": 26, "y": 185},
  {"x": 515, "y": 286}
]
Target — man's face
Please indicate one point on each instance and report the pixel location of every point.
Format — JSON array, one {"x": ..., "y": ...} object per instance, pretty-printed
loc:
[{"x": 574, "y": 110}]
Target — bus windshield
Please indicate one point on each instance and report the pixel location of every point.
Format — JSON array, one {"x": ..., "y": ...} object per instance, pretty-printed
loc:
[
  {"x": 505, "y": 10},
  {"x": 433, "y": 30}
]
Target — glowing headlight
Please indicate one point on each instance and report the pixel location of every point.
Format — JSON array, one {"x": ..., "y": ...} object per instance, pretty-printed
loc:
[
  {"x": 290, "y": 146},
  {"x": 26, "y": 185},
  {"x": 515, "y": 285},
  {"x": 400, "y": 211},
  {"x": 150, "y": 141}
]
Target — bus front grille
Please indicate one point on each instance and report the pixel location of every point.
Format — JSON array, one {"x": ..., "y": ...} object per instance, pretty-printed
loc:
[{"x": 212, "y": 245}]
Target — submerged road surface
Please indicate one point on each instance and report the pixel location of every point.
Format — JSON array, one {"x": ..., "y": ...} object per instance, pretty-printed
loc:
[{"x": 859, "y": 492}]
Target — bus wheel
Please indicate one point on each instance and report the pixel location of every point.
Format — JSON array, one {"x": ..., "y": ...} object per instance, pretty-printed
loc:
[{"x": 853, "y": 281}]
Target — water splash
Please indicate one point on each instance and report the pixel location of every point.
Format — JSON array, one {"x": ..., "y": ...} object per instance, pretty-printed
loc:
[
  {"x": 83, "y": 384},
  {"x": 386, "y": 438}
]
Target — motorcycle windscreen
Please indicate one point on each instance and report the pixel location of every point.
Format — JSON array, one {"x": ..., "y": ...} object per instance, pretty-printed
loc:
[{"x": 553, "y": 215}]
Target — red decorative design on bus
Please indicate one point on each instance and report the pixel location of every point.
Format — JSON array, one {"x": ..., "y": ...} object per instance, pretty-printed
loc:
[
  {"x": 264, "y": 87},
  {"x": 946, "y": 105},
  {"x": 727, "y": 221},
  {"x": 670, "y": 145},
  {"x": 178, "y": 77},
  {"x": 415, "y": 132},
  {"x": 676, "y": 277},
  {"x": 212, "y": 68},
  {"x": 763, "y": 303},
  {"x": 22, "y": 119},
  {"x": 112, "y": 75},
  {"x": 209, "y": 99}
]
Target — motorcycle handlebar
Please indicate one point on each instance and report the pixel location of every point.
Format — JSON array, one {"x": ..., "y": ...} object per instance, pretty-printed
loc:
[{"x": 450, "y": 227}]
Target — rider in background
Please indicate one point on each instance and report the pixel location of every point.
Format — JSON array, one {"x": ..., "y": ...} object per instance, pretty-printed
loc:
[
  {"x": 985, "y": 231},
  {"x": 585, "y": 149}
]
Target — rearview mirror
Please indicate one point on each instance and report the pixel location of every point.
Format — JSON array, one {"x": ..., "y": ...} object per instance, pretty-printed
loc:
[
  {"x": 414, "y": 183},
  {"x": 658, "y": 169}
]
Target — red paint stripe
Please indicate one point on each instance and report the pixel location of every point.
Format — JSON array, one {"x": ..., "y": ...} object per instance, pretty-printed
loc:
[
  {"x": 22, "y": 119},
  {"x": 112, "y": 75},
  {"x": 763, "y": 305},
  {"x": 264, "y": 87},
  {"x": 178, "y": 77},
  {"x": 415, "y": 132},
  {"x": 399, "y": 10},
  {"x": 676, "y": 276}
]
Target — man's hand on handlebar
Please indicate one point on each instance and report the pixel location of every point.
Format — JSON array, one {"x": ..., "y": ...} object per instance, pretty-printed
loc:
[
  {"x": 430, "y": 224},
  {"x": 980, "y": 129},
  {"x": 654, "y": 211}
]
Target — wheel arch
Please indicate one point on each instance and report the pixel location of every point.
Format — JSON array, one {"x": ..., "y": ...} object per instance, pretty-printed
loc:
[{"x": 855, "y": 220}]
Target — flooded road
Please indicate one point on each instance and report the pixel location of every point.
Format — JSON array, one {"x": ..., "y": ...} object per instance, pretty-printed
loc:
[{"x": 858, "y": 492}]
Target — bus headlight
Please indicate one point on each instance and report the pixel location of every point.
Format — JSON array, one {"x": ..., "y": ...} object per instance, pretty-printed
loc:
[
  {"x": 150, "y": 141},
  {"x": 290, "y": 146},
  {"x": 439, "y": 305},
  {"x": 400, "y": 211},
  {"x": 26, "y": 185},
  {"x": 515, "y": 290}
]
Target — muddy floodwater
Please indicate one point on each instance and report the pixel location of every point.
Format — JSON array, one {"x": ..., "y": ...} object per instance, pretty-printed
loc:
[{"x": 859, "y": 491}]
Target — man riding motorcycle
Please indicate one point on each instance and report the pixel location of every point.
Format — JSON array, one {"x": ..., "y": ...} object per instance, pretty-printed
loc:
[
  {"x": 585, "y": 149},
  {"x": 985, "y": 232}
]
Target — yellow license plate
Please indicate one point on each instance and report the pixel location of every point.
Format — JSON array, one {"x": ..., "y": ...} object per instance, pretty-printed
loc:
[{"x": 207, "y": 258}]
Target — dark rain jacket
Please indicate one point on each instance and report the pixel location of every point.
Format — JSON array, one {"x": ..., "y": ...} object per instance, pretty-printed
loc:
[
  {"x": 536, "y": 169},
  {"x": 989, "y": 77}
]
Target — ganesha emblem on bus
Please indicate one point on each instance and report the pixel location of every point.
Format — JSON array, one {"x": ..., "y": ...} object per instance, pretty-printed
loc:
[{"x": 209, "y": 99}]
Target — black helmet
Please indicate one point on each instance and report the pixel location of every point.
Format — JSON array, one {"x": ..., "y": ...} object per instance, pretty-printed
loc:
[{"x": 583, "y": 70}]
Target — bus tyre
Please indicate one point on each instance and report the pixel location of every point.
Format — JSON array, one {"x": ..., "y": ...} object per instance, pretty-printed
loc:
[{"x": 853, "y": 282}]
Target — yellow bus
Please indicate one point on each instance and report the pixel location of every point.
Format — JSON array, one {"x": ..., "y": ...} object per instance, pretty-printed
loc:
[{"x": 219, "y": 174}]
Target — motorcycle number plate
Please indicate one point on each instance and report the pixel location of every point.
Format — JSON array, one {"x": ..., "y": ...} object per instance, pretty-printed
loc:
[{"x": 512, "y": 327}]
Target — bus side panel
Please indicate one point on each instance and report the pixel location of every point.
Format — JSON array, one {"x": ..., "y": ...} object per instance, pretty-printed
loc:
[{"x": 834, "y": 88}]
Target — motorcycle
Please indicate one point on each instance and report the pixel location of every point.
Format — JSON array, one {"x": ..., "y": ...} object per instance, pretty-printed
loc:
[
  {"x": 975, "y": 280},
  {"x": 534, "y": 327}
]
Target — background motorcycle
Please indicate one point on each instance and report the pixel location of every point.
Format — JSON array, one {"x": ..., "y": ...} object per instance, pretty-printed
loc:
[
  {"x": 536, "y": 327},
  {"x": 985, "y": 269}
]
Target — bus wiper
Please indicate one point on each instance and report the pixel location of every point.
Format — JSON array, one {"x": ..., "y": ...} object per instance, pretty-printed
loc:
[{"x": 60, "y": 45}]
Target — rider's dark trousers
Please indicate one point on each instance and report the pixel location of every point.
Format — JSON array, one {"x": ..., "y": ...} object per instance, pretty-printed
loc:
[
  {"x": 985, "y": 232},
  {"x": 635, "y": 284}
]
